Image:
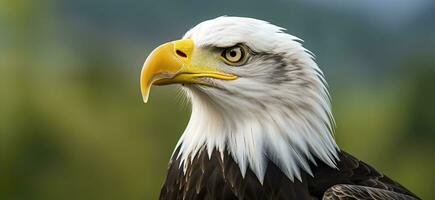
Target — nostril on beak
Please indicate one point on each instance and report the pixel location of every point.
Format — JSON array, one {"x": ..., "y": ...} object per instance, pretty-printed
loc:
[{"x": 180, "y": 53}]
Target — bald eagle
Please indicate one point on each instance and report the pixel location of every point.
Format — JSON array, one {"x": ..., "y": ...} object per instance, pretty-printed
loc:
[{"x": 261, "y": 125}]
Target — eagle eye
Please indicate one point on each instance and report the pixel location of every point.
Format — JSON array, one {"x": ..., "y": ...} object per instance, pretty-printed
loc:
[{"x": 235, "y": 55}]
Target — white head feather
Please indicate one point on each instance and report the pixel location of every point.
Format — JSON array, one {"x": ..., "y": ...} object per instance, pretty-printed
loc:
[{"x": 278, "y": 109}]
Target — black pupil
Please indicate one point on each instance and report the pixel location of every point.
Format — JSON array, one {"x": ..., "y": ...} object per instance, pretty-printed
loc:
[{"x": 233, "y": 53}]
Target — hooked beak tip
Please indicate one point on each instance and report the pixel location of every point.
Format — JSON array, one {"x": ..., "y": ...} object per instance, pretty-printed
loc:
[
  {"x": 145, "y": 99},
  {"x": 145, "y": 92},
  {"x": 145, "y": 96}
]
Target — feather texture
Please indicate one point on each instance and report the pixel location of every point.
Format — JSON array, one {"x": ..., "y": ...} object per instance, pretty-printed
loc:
[{"x": 217, "y": 178}]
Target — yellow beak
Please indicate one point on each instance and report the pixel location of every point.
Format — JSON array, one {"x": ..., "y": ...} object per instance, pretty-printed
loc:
[{"x": 171, "y": 63}]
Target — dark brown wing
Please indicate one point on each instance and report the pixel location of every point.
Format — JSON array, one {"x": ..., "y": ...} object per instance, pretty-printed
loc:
[
  {"x": 356, "y": 192},
  {"x": 356, "y": 176}
]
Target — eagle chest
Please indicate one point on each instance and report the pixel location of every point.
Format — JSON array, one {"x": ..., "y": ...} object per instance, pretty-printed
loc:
[{"x": 217, "y": 178}]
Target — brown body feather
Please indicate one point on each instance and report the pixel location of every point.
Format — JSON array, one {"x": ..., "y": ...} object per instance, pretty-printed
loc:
[{"x": 214, "y": 178}]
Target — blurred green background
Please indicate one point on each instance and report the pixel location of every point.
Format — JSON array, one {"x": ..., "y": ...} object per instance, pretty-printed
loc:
[{"x": 72, "y": 121}]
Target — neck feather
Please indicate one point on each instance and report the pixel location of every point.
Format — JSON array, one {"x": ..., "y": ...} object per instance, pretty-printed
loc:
[{"x": 290, "y": 137}]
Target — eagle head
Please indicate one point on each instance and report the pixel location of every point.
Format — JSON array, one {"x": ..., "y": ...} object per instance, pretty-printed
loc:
[{"x": 256, "y": 93}]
